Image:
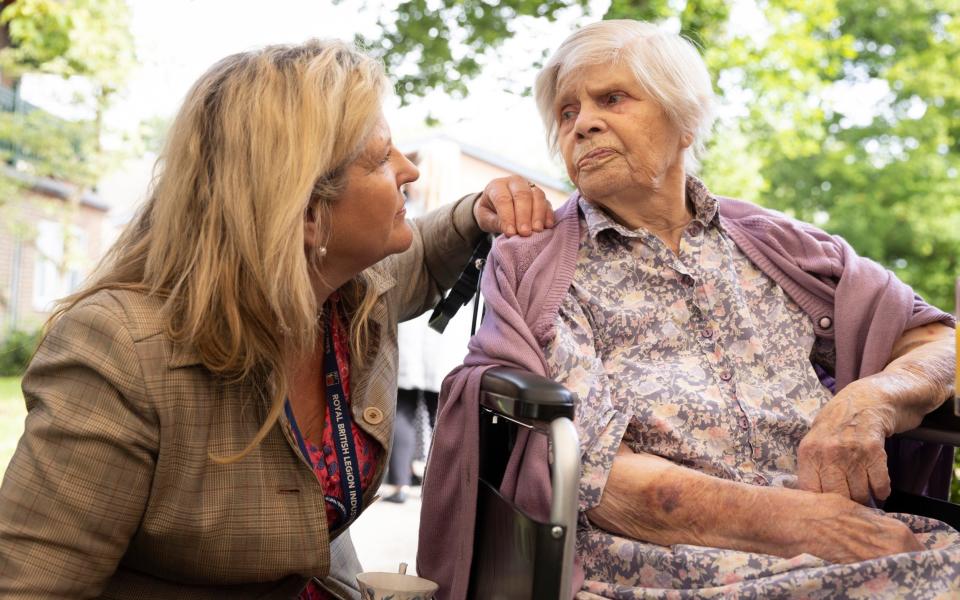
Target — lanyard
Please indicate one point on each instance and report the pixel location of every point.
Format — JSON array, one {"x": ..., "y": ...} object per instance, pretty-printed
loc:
[{"x": 338, "y": 415}]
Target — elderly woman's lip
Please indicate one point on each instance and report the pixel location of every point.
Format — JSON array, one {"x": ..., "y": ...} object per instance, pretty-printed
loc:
[{"x": 594, "y": 154}]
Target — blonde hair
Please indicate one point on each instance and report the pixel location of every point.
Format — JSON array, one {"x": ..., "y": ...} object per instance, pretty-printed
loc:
[
  {"x": 667, "y": 66},
  {"x": 262, "y": 140}
]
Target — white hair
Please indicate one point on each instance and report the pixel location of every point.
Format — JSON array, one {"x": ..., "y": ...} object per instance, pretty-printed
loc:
[{"x": 667, "y": 66}]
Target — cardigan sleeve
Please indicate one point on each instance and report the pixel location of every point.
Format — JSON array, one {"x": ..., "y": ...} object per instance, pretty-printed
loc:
[
  {"x": 854, "y": 301},
  {"x": 76, "y": 488}
]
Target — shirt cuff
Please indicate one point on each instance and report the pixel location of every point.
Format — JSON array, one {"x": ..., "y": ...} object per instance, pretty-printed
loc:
[
  {"x": 464, "y": 221},
  {"x": 597, "y": 458}
]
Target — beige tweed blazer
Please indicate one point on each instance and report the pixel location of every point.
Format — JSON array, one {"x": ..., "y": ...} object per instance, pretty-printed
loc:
[{"x": 111, "y": 493}]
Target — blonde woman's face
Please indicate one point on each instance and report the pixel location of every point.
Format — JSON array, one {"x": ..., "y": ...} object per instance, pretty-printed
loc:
[{"x": 367, "y": 222}]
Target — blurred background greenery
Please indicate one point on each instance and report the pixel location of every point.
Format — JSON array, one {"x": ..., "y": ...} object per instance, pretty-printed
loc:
[{"x": 12, "y": 413}]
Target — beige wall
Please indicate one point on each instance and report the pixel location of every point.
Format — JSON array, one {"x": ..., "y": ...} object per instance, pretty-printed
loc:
[
  {"x": 477, "y": 173},
  {"x": 447, "y": 173}
]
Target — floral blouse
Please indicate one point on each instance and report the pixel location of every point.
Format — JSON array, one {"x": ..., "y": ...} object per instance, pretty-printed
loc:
[{"x": 697, "y": 357}]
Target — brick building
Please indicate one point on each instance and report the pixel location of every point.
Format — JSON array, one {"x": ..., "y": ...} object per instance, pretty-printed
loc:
[{"x": 46, "y": 249}]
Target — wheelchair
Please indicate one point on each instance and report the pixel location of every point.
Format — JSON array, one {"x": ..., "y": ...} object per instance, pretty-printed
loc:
[{"x": 517, "y": 557}]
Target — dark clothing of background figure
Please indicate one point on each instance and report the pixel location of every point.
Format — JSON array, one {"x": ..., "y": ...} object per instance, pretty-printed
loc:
[{"x": 406, "y": 433}]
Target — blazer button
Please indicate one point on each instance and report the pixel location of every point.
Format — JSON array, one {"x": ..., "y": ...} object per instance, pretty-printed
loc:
[
  {"x": 373, "y": 415},
  {"x": 825, "y": 322}
]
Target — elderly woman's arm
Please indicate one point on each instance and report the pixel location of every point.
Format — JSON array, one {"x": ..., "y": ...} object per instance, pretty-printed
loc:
[
  {"x": 844, "y": 450},
  {"x": 652, "y": 499}
]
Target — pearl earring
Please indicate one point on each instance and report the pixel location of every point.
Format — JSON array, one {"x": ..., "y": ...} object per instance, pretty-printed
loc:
[{"x": 322, "y": 251}]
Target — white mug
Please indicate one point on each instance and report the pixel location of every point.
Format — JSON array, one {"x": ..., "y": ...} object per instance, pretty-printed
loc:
[{"x": 395, "y": 586}]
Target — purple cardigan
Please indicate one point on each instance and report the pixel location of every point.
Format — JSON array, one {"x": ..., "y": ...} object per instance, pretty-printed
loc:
[{"x": 854, "y": 301}]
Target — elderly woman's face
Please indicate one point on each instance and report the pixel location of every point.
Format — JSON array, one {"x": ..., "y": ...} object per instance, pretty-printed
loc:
[
  {"x": 615, "y": 140},
  {"x": 368, "y": 220}
]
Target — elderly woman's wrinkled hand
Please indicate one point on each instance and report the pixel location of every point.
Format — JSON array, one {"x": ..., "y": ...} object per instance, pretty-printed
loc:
[
  {"x": 844, "y": 451},
  {"x": 512, "y": 205},
  {"x": 839, "y": 530}
]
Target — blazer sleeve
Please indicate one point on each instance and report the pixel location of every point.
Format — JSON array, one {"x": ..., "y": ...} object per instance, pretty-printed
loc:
[
  {"x": 443, "y": 241},
  {"x": 75, "y": 490}
]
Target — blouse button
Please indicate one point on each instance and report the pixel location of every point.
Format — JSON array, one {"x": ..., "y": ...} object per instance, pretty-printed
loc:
[
  {"x": 825, "y": 322},
  {"x": 372, "y": 415},
  {"x": 695, "y": 229},
  {"x": 726, "y": 375},
  {"x": 706, "y": 333}
]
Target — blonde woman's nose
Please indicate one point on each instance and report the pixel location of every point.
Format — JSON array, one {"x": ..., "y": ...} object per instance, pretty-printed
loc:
[{"x": 409, "y": 172}]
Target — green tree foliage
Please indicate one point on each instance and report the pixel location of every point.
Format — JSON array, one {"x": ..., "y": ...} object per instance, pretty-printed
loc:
[
  {"x": 888, "y": 185},
  {"x": 440, "y": 44},
  {"x": 88, "y": 39},
  {"x": 16, "y": 349},
  {"x": 53, "y": 147},
  {"x": 85, "y": 38},
  {"x": 884, "y": 177}
]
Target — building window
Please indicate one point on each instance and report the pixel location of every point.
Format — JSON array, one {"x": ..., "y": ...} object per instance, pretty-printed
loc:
[{"x": 48, "y": 283}]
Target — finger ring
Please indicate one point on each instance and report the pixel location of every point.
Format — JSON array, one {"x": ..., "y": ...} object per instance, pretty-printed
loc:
[{"x": 531, "y": 184}]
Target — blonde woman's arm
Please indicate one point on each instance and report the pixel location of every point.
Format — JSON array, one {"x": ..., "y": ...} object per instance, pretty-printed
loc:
[
  {"x": 444, "y": 238},
  {"x": 76, "y": 488}
]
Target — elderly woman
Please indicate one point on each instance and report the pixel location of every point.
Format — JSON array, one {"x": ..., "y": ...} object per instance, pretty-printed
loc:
[
  {"x": 209, "y": 414},
  {"x": 736, "y": 372}
]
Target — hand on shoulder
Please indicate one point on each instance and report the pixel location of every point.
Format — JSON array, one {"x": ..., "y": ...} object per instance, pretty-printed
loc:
[{"x": 513, "y": 206}]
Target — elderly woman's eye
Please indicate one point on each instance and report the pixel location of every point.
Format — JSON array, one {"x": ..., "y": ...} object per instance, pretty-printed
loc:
[
  {"x": 614, "y": 98},
  {"x": 566, "y": 115}
]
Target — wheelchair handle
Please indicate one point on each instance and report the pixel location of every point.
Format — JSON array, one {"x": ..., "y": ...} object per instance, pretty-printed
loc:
[{"x": 522, "y": 395}]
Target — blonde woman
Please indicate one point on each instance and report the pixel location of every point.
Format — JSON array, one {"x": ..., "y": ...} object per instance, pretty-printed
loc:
[{"x": 216, "y": 404}]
